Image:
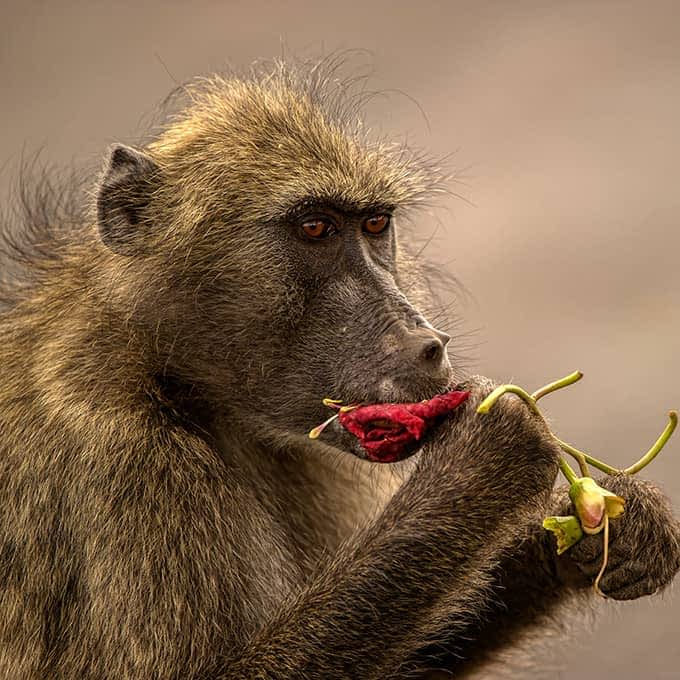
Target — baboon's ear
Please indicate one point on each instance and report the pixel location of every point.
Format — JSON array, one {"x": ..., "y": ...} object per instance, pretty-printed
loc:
[{"x": 129, "y": 178}]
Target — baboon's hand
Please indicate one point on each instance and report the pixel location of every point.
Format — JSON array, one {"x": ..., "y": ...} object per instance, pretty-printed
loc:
[
  {"x": 644, "y": 543},
  {"x": 508, "y": 452}
]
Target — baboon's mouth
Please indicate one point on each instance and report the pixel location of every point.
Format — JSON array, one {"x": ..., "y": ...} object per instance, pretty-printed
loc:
[
  {"x": 389, "y": 432},
  {"x": 385, "y": 424}
]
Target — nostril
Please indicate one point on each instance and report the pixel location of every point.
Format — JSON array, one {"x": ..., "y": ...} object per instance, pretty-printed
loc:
[
  {"x": 433, "y": 351},
  {"x": 443, "y": 337}
]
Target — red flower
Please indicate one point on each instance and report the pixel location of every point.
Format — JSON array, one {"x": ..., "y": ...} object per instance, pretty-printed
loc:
[{"x": 385, "y": 430}]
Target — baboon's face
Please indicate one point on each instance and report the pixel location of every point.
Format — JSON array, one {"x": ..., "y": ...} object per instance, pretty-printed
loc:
[
  {"x": 340, "y": 325},
  {"x": 273, "y": 269}
]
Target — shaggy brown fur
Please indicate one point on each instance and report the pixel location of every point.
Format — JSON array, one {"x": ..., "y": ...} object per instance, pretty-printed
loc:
[{"x": 163, "y": 514}]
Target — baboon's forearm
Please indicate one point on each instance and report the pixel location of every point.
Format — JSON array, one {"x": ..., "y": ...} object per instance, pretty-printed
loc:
[
  {"x": 364, "y": 616},
  {"x": 414, "y": 574},
  {"x": 526, "y": 589}
]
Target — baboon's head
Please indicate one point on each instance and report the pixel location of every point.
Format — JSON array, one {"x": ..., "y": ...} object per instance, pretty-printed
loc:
[{"x": 259, "y": 239}]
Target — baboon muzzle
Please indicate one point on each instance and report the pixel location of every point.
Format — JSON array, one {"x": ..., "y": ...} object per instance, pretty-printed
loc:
[
  {"x": 420, "y": 351},
  {"x": 426, "y": 347}
]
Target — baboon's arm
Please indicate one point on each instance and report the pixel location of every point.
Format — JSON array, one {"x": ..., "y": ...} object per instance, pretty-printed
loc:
[
  {"x": 531, "y": 581},
  {"x": 525, "y": 591},
  {"x": 423, "y": 568},
  {"x": 511, "y": 587},
  {"x": 377, "y": 603}
]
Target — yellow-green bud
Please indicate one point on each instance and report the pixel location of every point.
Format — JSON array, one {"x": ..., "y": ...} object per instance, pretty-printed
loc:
[
  {"x": 592, "y": 503},
  {"x": 567, "y": 531}
]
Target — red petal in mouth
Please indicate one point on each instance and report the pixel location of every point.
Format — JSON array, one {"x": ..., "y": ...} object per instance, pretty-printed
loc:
[{"x": 385, "y": 430}]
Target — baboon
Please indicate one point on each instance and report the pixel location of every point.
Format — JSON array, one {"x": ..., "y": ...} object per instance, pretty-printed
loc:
[{"x": 164, "y": 514}]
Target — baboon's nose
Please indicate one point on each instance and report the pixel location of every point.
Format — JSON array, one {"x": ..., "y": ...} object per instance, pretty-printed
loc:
[{"x": 428, "y": 348}]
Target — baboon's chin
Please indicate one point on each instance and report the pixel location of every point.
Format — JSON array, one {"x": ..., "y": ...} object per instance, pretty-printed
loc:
[{"x": 405, "y": 451}]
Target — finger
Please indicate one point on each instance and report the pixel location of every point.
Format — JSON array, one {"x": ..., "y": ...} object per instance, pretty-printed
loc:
[
  {"x": 587, "y": 550},
  {"x": 633, "y": 591},
  {"x": 629, "y": 578},
  {"x": 618, "y": 556},
  {"x": 590, "y": 547}
]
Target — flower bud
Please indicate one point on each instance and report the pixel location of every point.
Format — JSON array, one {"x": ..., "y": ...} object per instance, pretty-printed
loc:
[{"x": 592, "y": 503}]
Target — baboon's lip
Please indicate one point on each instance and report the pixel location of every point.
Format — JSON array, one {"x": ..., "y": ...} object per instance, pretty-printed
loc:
[
  {"x": 387, "y": 432},
  {"x": 385, "y": 424}
]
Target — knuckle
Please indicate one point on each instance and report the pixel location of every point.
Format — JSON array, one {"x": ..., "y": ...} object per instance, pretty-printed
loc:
[
  {"x": 479, "y": 385},
  {"x": 586, "y": 550}
]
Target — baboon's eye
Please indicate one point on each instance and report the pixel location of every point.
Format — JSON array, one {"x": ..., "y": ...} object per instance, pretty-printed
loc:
[
  {"x": 376, "y": 224},
  {"x": 318, "y": 228}
]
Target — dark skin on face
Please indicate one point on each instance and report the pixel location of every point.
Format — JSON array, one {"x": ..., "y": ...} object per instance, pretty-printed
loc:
[
  {"x": 164, "y": 514},
  {"x": 363, "y": 244},
  {"x": 330, "y": 242},
  {"x": 359, "y": 339}
]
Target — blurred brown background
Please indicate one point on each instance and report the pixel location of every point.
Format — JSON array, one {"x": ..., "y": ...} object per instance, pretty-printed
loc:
[{"x": 565, "y": 121}]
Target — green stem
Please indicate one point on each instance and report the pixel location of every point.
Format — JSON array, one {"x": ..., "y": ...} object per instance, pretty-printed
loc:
[
  {"x": 567, "y": 471},
  {"x": 557, "y": 385},
  {"x": 583, "y": 466},
  {"x": 580, "y": 456},
  {"x": 488, "y": 403},
  {"x": 658, "y": 445}
]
